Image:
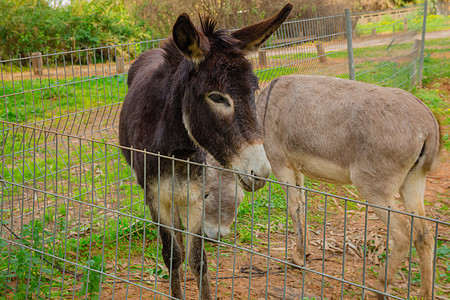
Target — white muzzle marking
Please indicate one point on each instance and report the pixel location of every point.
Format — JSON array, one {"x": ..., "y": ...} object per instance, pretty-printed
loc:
[{"x": 253, "y": 161}]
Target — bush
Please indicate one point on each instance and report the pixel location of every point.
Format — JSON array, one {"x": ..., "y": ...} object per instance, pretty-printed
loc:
[{"x": 37, "y": 26}]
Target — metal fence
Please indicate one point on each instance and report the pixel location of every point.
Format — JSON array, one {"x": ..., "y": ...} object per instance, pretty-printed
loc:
[{"x": 74, "y": 222}]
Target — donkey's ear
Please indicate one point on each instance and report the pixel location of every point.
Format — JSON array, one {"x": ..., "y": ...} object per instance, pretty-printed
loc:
[
  {"x": 192, "y": 43},
  {"x": 252, "y": 37}
]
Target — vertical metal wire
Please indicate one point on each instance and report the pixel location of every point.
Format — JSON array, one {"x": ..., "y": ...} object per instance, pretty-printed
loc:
[
  {"x": 202, "y": 231},
  {"x": 145, "y": 224},
  {"x": 80, "y": 162},
  {"x": 410, "y": 255},
  {"x": 158, "y": 226},
  {"x": 132, "y": 154},
  {"x": 366, "y": 213},
  {"x": 344, "y": 248},
  {"x": 32, "y": 224},
  {"x": 67, "y": 215},
  {"x": 236, "y": 184},
  {"x": 387, "y": 249},
  {"x": 251, "y": 238},
  {"x": 55, "y": 210},
  {"x": 172, "y": 233},
  {"x": 422, "y": 46},
  {"x": 434, "y": 258},
  {"x": 187, "y": 225},
  {"x": 13, "y": 137},
  {"x": 286, "y": 241},
  {"x": 43, "y": 216},
  {"x": 305, "y": 241},
  {"x": 105, "y": 220},
  {"x": 324, "y": 245},
  {"x": 268, "y": 240},
  {"x": 119, "y": 182},
  {"x": 218, "y": 238},
  {"x": 92, "y": 216}
]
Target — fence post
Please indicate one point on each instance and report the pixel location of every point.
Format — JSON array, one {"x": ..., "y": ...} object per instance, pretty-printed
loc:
[
  {"x": 321, "y": 52},
  {"x": 422, "y": 47},
  {"x": 415, "y": 49},
  {"x": 351, "y": 62},
  {"x": 262, "y": 57},
  {"x": 120, "y": 65},
  {"x": 36, "y": 61},
  {"x": 405, "y": 24}
]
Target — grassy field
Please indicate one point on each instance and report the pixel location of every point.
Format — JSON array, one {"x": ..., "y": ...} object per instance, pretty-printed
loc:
[{"x": 82, "y": 225}]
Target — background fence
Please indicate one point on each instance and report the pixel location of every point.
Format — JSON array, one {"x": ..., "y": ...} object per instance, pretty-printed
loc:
[{"x": 74, "y": 223}]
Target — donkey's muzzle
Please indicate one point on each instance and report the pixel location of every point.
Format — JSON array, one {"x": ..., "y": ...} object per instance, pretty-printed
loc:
[{"x": 252, "y": 161}]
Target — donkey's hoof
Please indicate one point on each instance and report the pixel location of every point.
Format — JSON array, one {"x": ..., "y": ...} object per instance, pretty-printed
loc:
[
  {"x": 298, "y": 256},
  {"x": 379, "y": 286}
]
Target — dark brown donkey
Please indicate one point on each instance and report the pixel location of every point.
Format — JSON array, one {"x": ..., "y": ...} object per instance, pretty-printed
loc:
[{"x": 194, "y": 96}]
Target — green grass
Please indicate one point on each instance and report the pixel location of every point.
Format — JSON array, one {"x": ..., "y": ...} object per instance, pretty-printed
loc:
[
  {"x": 270, "y": 74},
  {"x": 388, "y": 25},
  {"x": 34, "y": 100}
]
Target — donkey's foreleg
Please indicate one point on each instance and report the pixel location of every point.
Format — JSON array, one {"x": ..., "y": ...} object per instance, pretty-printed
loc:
[
  {"x": 179, "y": 237},
  {"x": 171, "y": 251},
  {"x": 192, "y": 216},
  {"x": 296, "y": 208},
  {"x": 172, "y": 256},
  {"x": 199, "y": 265},
  {"x": 412, "y": 193}
]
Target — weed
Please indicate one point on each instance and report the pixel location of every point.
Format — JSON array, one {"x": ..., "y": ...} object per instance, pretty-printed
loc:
[
  {"x": 62, "y": 209},
  {"x": 92, "y": 281},
  {"x": 157, "y": 272},
  {"x": 25, "y": 266}
]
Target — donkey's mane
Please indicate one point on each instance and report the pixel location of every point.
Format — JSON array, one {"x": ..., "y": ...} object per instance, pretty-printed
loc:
[
  {"x": 208, "y": 27},
  {"x": 210, "y": 30}
]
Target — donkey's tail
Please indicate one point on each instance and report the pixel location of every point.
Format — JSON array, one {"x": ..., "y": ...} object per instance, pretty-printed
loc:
[{"x": 433, "y": 147}]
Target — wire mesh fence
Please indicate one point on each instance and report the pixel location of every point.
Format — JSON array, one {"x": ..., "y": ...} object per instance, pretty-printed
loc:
[{"x": 74, "y": 223}]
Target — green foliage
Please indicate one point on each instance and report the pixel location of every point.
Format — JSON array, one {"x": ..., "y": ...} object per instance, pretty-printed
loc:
[
  {"x": 37, "y": 26},
  {"x": 92, "y": 281},
  {"x": 26, "y": 267}
]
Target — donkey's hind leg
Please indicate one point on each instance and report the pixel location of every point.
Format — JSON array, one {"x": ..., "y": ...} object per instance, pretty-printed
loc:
[
  {"x": 382, "y": 194},
  {"x": 412, "y": 193}
]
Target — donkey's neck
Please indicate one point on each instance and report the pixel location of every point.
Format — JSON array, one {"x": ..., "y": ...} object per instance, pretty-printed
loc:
[{"x": 172, "y": 133}]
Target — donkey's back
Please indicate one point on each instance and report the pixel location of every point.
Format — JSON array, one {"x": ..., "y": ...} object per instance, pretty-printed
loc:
[
  {"x": 338, "y": 127},
  {"x": 383, "y": 140},
  {"x": 145, "y": 63}
]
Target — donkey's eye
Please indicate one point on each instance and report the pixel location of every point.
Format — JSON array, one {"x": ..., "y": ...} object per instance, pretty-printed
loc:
[{"x": 220, "y": 99}]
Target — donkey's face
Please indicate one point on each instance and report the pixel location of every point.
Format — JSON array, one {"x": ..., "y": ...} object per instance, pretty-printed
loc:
[
  {"x": 220, "y": 116},
  {"x": 219, "y": 100}
]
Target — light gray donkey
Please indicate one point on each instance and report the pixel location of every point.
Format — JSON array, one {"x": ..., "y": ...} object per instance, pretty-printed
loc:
[
  {"x": 221, "y": 194},
  {"x": 382, "y": 140}
]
